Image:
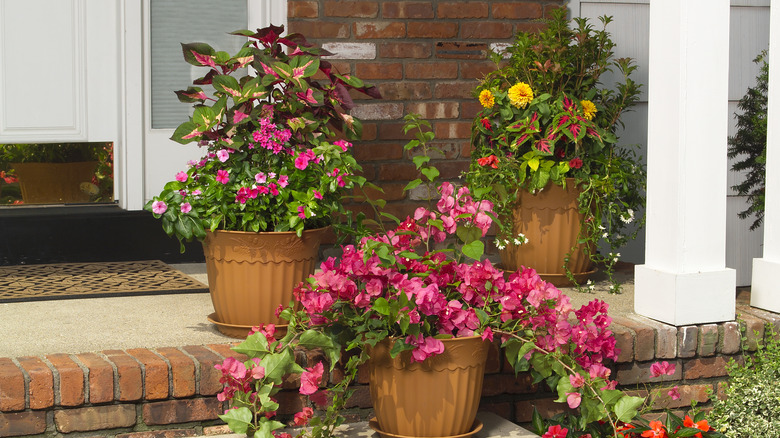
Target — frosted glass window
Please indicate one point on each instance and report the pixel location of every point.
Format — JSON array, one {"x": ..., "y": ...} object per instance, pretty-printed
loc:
[{"x": 184, "y": 21}]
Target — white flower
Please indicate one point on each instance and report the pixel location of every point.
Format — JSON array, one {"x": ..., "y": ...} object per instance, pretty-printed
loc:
[
  {"x": 628, "y": 216},
  {"x": 605, "y": 235},
  {"x": 601, "y": 227},
  {"x": 499, "y": 244}
]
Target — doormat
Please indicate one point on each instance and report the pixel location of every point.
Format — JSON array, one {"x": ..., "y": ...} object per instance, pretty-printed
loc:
[{"x": 63, "y": 281}]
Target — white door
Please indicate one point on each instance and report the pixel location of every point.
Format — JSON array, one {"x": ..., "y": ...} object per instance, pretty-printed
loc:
[{"x": 153, "y": 159}]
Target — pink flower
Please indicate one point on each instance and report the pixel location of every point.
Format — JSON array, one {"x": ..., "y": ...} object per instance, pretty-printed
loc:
[
  {"x": 301, "y": 162},
  {"x": 674, "y": 393},
  {"x": 196, "y": 192},
  {"x": 660, "y": 368},
  {"x": 260, "y": 178},
  {"x": 301, "y": 212},
  {"x": 159, "y": 207},
  {"x": 311, "y": 378},
  {"x": 343, "y": 144},
  {"x": 273, "y": 189},
  {"x": 576, "y": 380},
  {"x": 223, "y": 176},
  {"x": 319, "y": 398},
  {"x": 186, "y": 207},
  {"x": 317, "y": 195},
  {"x": 556, "y": 432},
  {"x": 233, "y": 368},
  {"x": 258, "y": 372},
  {"x": 284, "y": 181},
  {"x": 424, "y": 347},
  {"x": 302, "y": 418},
  {"x": 181, "y": 176},
  {"x": 222, "y": 155},
  {"x": 573, "y": 399}
]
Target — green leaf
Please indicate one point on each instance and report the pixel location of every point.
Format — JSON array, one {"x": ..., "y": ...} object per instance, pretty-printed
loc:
[
  {"x": 381, "y": 306},
  {"x": 626, "y": 408},
  {"x": 266, "y": 428},
  {"x": 399, "y": 346},
  {"x": 238, "y": 419},
  {"x": 534, "y": 164},
  {"x": 227, "y": 84},
  {"x": 474, "y": 249},
  {"x": 412, "y": 184},
  {"x": 202, "y": 53},
  {"x": 430, "y": 172},
  {"x": 255, "y": 345},
  {"x": 187, "y": 132},
  {"x": 468, "y": 234},
  {"x": 277, "y": 365},
  {"x": 419, "y": 160}
]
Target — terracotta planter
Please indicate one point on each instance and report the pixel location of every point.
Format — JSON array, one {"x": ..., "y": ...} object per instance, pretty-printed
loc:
[
  {"x": 551, "y": 221},
  {"x": 54, "y": 183},
  {"x": 251, "y": 274},
  {"x": 435, "y": 398}
]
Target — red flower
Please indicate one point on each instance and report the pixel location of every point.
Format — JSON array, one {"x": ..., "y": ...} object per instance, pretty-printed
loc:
[
  {"x": 657, "y": 430},
  {"x": 575, "y": 163},
  {"x": 556, "y": 432},
  {"x": 486, "y": 124},
  {"x": 491, "y": 161},
  {"x": 701, "y": 425}
]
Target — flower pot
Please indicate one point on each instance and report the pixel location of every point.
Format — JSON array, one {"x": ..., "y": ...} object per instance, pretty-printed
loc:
[
  {"x": 54, "y": 183},
  {"x": 435, "y": 398},
  {"x": 251, "y": 274},
  {"x": 551, "y": 221}
]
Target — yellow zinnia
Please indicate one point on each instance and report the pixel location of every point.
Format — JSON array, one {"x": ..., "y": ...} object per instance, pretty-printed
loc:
[
  {"x": 589, "y": 108},
  {"x": 486, "y": 99},
  {"x": 520, "y": 94}
]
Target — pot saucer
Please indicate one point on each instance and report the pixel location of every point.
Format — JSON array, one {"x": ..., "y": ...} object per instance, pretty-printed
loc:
[
  {"x": 240, "y": 331},
  {"x": 374, "y": 424},
  {"x": 232, "y": 330}
]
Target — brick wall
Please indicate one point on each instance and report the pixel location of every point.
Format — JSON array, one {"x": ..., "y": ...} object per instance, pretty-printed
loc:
[
  {"x": 171, "y": 392},
  {"x": 425, "y": 57}
]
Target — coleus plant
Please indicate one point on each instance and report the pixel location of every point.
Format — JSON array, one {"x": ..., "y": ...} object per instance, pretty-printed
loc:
[{"x": 276, "y": 155}]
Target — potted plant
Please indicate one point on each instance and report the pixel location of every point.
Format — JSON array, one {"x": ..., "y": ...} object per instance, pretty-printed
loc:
[
  {"x": 273, "y": 170},
  {"x": 546, "y": 135},
  {"x": 59, "y": 173}
]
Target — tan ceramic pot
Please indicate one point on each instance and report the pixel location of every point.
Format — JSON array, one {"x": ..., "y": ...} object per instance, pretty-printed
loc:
[
  {"x": 435, "y": 398},
  {"x": 551, "y": 221},
  {"x": 54, "y": 183},
  {"x": 251, "y": 274}
]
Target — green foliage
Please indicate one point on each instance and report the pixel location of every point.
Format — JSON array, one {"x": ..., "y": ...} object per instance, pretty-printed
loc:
[
  {"x": 750, "y": 407},
  {"x": 748, "y": 145},
  {"x": 546, "y": 117}
]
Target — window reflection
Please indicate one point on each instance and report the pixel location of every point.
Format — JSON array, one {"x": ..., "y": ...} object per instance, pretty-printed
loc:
[{"x": 59, "y": 173}]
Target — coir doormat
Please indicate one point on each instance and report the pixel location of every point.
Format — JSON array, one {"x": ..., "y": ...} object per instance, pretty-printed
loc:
[{"x": 90, "y": 280}]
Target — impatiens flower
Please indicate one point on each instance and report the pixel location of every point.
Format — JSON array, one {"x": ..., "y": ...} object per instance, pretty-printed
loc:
[
  {"x": 311, "y": 378},
  {"x": 575, "y": 163},
  {"x": 701, "y": 425},
  {"x": 660, "y": 368},
  {"x": 487, "y": 99},
  {"x": 181, "y": 176},
  {"x": 222, "y": 155},
  {"x": 520, "y": 94},
  {"x": 589, "y": 108},
  {"x": 159, "y": 207},
  {"x": 186, "y": 207},
  {"x": 556, "y": 431},
  {"x": 657, "y": 430},
  {"x": 223, "y": 176}
]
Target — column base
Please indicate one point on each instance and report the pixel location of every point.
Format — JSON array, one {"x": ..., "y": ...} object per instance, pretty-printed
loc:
[
  {"x": 685, "y": 298},
  {"x": 765, "y": 290}
]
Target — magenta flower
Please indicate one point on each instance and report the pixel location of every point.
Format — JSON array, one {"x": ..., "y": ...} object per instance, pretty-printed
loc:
[
  {"x": 424, "y": 347},
  {"x": 301, "y": 212},
  {"x": 284, "y": 181},
  {"x": 660, "y": 368},
  {"x": 159, "y": 207},
  {"x": 556, "y": 432},
  {"x": 674, "y": 393},
  {"x": 311, "y": 378},
  {"x": 301, "y": 162},
  {"x": 317, "y": 195},
  {"x": 186, "y": 207},
  {"x": 223, "y": 176},
  {"x": 181, "y": 176},
  {"x": 576, "y": 380},
  {"x": 273, "y": 189},
  {"x": 223, "y": 155},
  {"x": 344, "y": 145},
  {"x": 260, "y": 178}
]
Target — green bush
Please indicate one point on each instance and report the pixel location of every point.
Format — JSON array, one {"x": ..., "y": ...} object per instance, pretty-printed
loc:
[{"x": 751, "y": 406}]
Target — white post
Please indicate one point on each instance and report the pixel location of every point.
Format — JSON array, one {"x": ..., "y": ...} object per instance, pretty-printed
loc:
[
  {"x": 684, "y": 279},
  {"x": 765, "y": 291}
]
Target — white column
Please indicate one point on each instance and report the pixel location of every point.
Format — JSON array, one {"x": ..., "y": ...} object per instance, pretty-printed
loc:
[
  {"x": 765, "y": 291},
  {"x": 684, "y": 279}
]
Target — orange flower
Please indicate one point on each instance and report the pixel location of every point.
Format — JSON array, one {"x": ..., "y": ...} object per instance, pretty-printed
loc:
[
  {"x": 701, "y": 425},
  {"x": 657, "y": 430},
  {"x": 491, "y": 161}
]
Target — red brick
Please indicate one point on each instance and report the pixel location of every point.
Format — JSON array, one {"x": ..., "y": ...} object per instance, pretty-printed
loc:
[
  {"x": 729, "y": 338},
  {"x": 70, "y": 380},
  {"x": 688, "y": 393},
  {"x": 100, "y": 375},
  {"x": 431, "y": 29},
  {"x": 496, "y": 384},
  {"x": 706, "y": 367},
  {"x": 182, "y": 411},
  {"x": 376, "y": 70},
  {"x": 470, "y": 109},
  {"x": 369, "y": 132},
  {"x": 11, "y": 386},
  {"x": 155, "y": 373},
  {"x": 393, "y": 131},
  {"x": 378, "y": 151},
  {"x": 22, "y": 423},
  {"x": 501, "y": 408},
  {"x": 640, "y": 372},
  {"x": 476, "y": 70},
  {"x": 486, "y": 30},
  {"x": 517, "y": 10},
  {"x": 391, "y": 192},
  {"x": 41, "y": 386},
  {"x": 404, "y": 50},
  {"x": 754, "y": 330},
  {"x": 624, "y": 338},
  {"x": 397, "y": 172},
  {"x": 129, "y": 375},
  {"x": 461, "y": 50},
  {"x": 405, "y": 90},
  {"x": 379, "y": 30},
  {"x": 353, "y": 9},
  {"x": 362, "y": 376},
  {"x": 495, "y": 359},
  {"x": 302, "y": 9},
  {"x": 290, "y": 402},
  {"x": 182, "y": 372},
  {"x": 168, "y": 433},
  {"x": 532, "y": 27},
  {"x": 431, "y": 70},
  {"x": 550, "y": 8},
  {"x": 644, "y": 341},
  {"x": 454, "y": 90},
  {"x": 208, "y": 382},
  {"x": 445, "y": 130},
  {"x": 361, "y": 398},
  {"x": 226, "y": 350},
  {"x": 462, "y": 10},
  {"x": 404, "y": 9},
  {"x": 687, "y": 340},
  {"x": 435, "y": 110},
  {"x": 321, "y": 29},
  {"x": 546, "y": 406},
  {"x": 379, "y": 111},
  {"x": 708, "y": 339},
  {"x": 217, "y": 430},
  {"x": 94, "y": 418}
]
